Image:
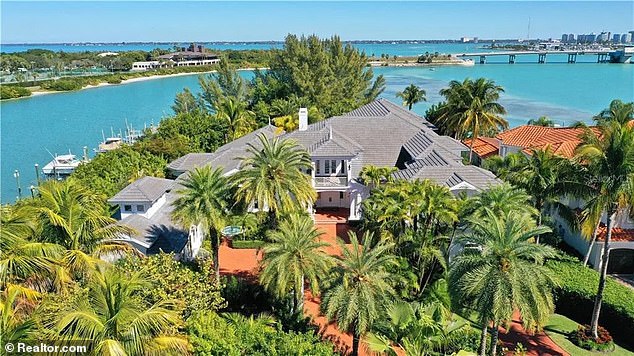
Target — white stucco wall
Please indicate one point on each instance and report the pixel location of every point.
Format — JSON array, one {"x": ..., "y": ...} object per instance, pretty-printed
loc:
[{"x": 149, "y": 210}]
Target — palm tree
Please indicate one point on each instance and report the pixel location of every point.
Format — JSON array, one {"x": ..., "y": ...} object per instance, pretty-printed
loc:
[
  {"x": 472, "y": 108},
  {"x": 203, "y": 202},
  {"x": 373, "y": 176},
  {"x": 500, "y": 200},
  {"x": 362, "y": 286},
  {"x": 411, "y": 95},
  {"x": 610, "y": 160},
  {"x": 540, "y": 175},
  {"x": 415, "y": 328},
  {"x": 16, "y": 303},
  {"x": 618, "y": 111},
  {"x": 117, "y": 321},
  {"x": 80, "y": 221},
  {"x": 501, "y": 270},
  {"x": 274, "y": 177},
  {"x": 542, "y": 121},
  {"x": 293, "y": 256},
  {"x": 24, "y": 260},
  {"x": 235, "y": 114}
]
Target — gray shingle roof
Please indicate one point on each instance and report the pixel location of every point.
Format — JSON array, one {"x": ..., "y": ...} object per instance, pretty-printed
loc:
[
  {"x": 377, "y": 130},
  {"x": 450, "y": 175},
  {"x": 225, "y": 156},
  {"x": 146, "y": 189},
  {"x": 426, "y": 140},
  {"x": 159, "y": 232}
]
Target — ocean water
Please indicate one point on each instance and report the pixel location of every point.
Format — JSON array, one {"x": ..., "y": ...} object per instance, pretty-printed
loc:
[{"x": 31, "y": 128}]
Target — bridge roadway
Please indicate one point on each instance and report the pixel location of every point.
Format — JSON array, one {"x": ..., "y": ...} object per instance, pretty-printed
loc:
[{"x": 602, "y": 55}]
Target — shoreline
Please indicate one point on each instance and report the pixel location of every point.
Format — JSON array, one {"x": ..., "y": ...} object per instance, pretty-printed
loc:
[{"x": 123, "y": 82}]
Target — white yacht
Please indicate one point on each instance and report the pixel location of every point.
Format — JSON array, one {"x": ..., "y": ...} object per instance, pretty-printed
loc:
[{"x": 61, "y": 166}]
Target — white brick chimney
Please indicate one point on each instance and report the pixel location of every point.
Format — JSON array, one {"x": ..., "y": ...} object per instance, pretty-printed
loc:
[{"x": 303, "y": 119}]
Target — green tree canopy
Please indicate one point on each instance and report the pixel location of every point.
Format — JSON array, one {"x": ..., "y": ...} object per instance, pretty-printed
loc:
[
  {"x": 334, "y": 77},
  {"x": 110, "y": 172}
]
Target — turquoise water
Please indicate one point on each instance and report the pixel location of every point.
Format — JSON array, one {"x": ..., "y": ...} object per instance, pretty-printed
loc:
[{"x": 59, "y": 122}]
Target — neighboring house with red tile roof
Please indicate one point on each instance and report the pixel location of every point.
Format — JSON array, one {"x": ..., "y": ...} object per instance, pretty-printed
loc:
[{"x": 561, "y": 140}]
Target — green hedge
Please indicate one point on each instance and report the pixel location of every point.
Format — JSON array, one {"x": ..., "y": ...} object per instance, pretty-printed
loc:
[
  {"x": 575, "y": 299},
  {"x": 12, "y": 92},
  {"x": 240, "y": 244}
]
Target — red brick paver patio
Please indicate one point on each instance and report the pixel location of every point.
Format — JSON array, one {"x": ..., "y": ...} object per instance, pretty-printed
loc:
[{"x": 244, "y": 263}]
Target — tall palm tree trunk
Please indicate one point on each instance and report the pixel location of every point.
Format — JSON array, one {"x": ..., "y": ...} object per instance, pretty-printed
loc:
[
  {"x": 483, "y": 339},
  {"x": 605, "y": 257},
  {"x": 539, "y": 223},
  {"x": 592, "y": 242},
  {"x": 299, "y": 301},
  {"x": 494, "y": 340},
  {"x": 355, "y": 344},
  {"x": 471, "y": 150},
  {"x": 215, "y": 246}
]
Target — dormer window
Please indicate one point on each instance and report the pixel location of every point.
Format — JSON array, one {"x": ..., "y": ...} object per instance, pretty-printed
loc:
[
  {"x": 140, "y": 207},
  {"x": 127, "y": 208}
]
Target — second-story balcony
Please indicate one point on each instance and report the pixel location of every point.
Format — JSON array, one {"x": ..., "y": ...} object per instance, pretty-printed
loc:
[{"x": 331, "y": 182}]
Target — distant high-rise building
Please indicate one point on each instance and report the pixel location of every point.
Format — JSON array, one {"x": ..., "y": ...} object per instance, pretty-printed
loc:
[
  {"x": 616, "y": 38},
  {"x": 571, "y": 37},
  {"x": 564, "y": 38},
  {"x": 591, "y": 38},
  {"x": 626, "y": 38},
  {"x": 603, "y": 37},
  {"x": 581, "y": 38},
  {"x": 631, "y": 37}
]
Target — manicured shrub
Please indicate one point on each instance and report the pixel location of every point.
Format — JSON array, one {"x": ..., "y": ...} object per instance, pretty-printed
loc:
[
  {"x": 12, "y": 92},
  {"x": 583, "y": 338},
  {"x": 575, "y": 299},
  {"x": 242, "y": 244}
]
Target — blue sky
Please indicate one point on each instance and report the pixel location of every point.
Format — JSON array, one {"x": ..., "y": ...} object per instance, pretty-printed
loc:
[{"x": 84, "y": 21}]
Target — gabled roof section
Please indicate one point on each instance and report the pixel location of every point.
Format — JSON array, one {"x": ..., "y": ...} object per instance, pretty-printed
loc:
[
  {"x": 426, "y": 140},
  {"x": 384, "y": 108},
  {"x": 225, "y": 156},
  {"x": 158, "y": 233},
  {"x": 378, "y": 130},
  {"x": 146, "y": 189},
  {"x": 452, "y": 176}
]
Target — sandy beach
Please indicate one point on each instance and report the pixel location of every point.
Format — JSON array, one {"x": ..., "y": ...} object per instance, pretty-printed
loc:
[{"x": 128, "y": 81}]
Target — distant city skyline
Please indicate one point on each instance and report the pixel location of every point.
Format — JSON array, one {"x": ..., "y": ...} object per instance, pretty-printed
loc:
[{"x": 85, "y": 21}]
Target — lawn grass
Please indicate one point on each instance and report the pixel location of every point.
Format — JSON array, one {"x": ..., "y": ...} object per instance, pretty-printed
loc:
[{"x": 559, "y": 326}]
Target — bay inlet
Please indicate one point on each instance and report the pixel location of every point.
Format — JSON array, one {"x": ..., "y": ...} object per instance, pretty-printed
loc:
[{"x": 31, "y": 128}]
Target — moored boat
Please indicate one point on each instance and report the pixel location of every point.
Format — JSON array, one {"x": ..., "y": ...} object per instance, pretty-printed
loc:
[
  {"x": 109, "y": 144},
  {"x": 61, "y": 166}
]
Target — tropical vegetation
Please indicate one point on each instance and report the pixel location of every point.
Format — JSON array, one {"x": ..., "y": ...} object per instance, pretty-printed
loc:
[
  {"x": 411, "y": 95},
  {"x": 425, "y": 271}
]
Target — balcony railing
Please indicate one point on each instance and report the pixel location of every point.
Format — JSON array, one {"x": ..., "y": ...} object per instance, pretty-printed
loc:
[{"x": 331, "y": 182}]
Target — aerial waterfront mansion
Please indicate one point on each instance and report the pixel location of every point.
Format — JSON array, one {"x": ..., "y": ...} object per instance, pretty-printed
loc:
[{"x": 380, "y": 133}]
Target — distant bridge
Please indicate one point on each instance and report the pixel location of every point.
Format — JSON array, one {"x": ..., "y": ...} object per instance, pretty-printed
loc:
[{"x": 603, "y": 56}]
